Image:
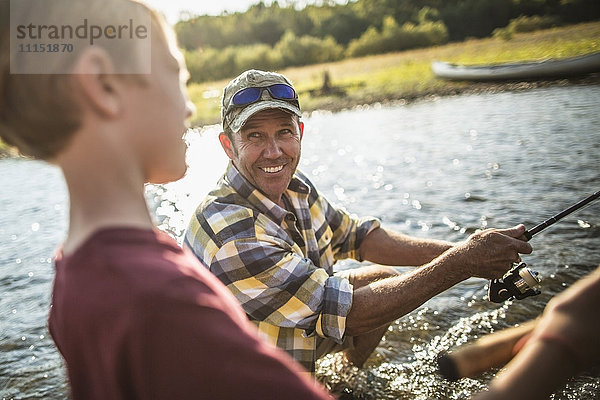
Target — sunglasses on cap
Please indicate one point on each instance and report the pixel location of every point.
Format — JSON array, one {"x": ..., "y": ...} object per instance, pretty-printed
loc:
[{"x": 251, "y": 95}]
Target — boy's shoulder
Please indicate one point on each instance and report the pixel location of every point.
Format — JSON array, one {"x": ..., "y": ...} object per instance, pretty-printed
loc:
[
  {"x": 140, "y": 259},
  {"x": 145, "y": 266}
]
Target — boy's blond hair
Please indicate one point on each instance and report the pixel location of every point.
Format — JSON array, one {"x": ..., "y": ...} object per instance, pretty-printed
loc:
[{"x": 39, "y": 113}]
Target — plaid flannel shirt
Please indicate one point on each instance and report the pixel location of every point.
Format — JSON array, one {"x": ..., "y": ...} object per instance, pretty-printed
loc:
[{"x": 279, "y": 264}]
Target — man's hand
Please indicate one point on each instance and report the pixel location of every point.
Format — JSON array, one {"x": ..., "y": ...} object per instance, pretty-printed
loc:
[
  {"x": 490, "y": 253},
  {"x": 487, "y": 254}
]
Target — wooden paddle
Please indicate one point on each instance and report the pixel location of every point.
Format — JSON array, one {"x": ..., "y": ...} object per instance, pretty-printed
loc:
[{"x": 491, "y": 351}]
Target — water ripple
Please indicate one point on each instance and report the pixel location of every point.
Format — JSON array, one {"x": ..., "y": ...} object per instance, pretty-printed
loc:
[{"x": 439, "y": 169}]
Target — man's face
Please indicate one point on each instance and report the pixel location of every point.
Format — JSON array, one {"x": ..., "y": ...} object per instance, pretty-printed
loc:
[{"x": 266, "y": 151}]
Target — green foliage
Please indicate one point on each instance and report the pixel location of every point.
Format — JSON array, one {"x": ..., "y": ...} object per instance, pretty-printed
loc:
[
  {"x": 306, "y": 49},
  {"x": 427, "y": 14},
  {"x": 213, "y": 64},
  {"x": 503, "y": 33},
  {"x": 395, "y": 38},
  {"x": 339, "y": 22},
  {"x": 259, "y": 24},
  {"x": 210, "y": 64},
  {"x": 274, "y": 36},
  {"x": 375, "y": 11},
  {"x": 475, "y": 18},
  {"x": 257, "y": 56},
  {"x": 7, "y": 151},
  {"x": 526, "y": 24},
  {"x": 534, "y": 23},
  {"x": 407, "y": 75}
]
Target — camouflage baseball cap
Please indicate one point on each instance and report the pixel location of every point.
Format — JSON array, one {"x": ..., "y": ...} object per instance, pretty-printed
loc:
[{"x": 235, "y": 116}]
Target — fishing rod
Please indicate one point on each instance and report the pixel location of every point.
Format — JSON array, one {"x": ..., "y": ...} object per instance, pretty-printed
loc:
[
  {"x": 540, "y": 227},
  {"x": 521, "y": 281},
  {"x": 496, "y": 349}
]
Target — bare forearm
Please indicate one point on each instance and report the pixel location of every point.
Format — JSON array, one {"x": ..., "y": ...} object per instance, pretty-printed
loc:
[
  {"x": 386, "y": 300},
  {"x": 487, "y": 254},
  {"x": 386, "y": 247}
]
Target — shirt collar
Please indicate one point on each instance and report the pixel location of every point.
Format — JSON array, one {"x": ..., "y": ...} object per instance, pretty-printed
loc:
[{"x": 296, "y": 188}]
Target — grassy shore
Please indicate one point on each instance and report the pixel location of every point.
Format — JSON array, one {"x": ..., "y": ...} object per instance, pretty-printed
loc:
[{"x": 407, "y": 75}]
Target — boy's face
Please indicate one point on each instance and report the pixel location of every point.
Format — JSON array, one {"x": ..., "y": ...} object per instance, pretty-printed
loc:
[{"x": 159, "y": 111}]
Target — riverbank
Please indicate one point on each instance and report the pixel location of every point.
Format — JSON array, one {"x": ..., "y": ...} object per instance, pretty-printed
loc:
[{"x": 406, "y": 76}]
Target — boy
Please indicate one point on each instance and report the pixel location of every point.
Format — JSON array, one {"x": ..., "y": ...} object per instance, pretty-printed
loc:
[{"x": 133, "y": 314}]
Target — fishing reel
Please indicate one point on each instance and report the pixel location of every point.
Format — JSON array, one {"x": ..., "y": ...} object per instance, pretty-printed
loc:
[{"x": 520, "y": 282}]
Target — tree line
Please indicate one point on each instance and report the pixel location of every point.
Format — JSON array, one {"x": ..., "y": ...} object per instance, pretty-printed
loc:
[{"x": 277, "y": 36}]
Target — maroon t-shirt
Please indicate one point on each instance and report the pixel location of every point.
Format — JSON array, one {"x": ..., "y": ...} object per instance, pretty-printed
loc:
[{"x": 137, "y": 317}]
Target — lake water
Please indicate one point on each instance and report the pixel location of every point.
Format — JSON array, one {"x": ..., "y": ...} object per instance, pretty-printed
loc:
[{"x": 440, "y": 168}]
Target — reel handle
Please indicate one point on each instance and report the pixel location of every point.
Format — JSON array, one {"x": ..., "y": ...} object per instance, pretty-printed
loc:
[
  {"x": 503, "y": 289},
  {"x": 520, "y": 282}
]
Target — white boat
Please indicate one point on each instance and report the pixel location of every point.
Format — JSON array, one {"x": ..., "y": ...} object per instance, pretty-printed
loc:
[{"x": 550, "y": 68}]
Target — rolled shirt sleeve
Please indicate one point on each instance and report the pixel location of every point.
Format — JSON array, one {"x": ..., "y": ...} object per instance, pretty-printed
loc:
[{"x": 279, "y": 263}]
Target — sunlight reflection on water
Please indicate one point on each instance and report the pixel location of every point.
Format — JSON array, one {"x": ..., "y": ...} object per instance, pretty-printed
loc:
[{"x": 439, "y": 169}]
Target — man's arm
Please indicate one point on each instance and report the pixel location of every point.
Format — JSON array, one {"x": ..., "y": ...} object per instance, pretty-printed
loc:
[
  {"x": 387, "y": 247},
  {"x": 486, "y": 254},
  {"x": 268, "y": 273}
]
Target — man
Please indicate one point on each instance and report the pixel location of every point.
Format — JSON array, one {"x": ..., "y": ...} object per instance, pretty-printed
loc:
[
  {"x": 272, "y": 238},
  {"x": 133, "y": 314}
]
